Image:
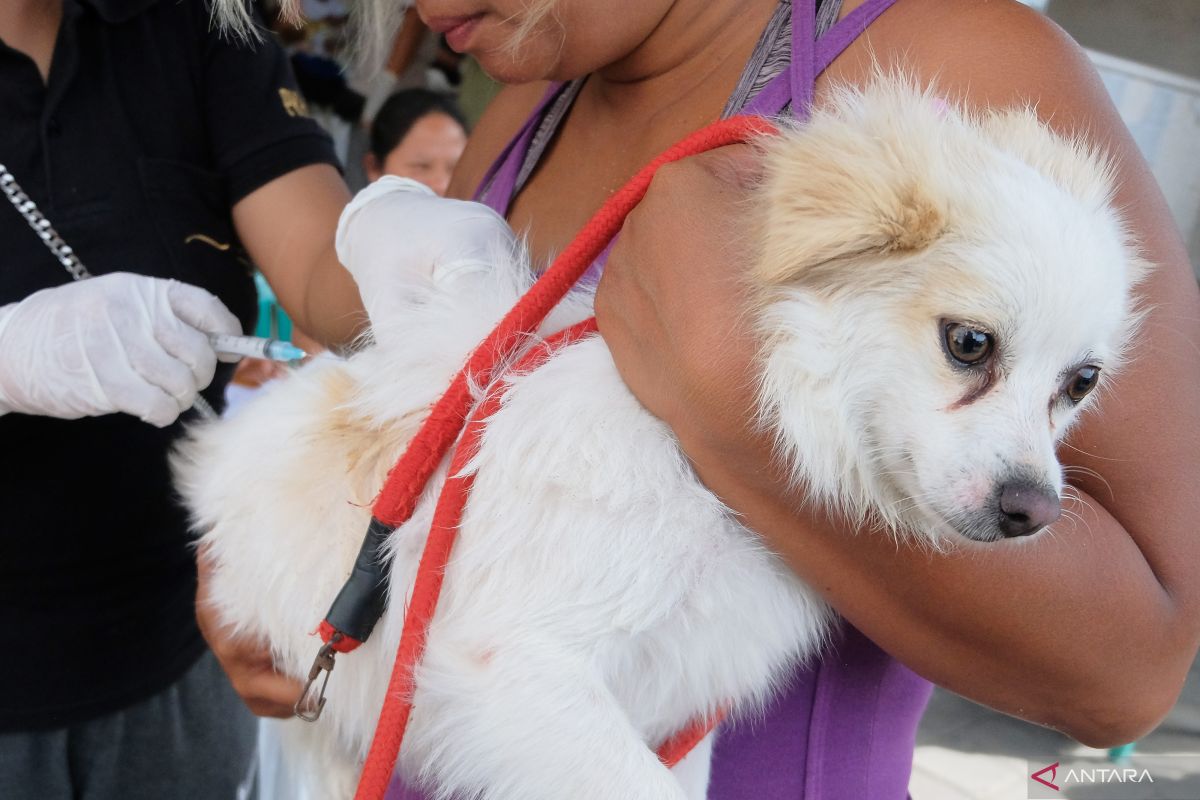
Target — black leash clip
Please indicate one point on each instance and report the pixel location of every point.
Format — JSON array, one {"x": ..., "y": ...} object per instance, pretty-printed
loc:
[
  {"x": 322, "y": 663},
  {"x": 354, "y": 612}
]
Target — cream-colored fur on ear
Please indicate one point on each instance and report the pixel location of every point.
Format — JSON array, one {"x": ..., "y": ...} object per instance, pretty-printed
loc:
[{"x": 868, "y": 175}]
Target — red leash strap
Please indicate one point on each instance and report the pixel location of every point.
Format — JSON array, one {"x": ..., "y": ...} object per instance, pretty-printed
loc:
[
  {"x": 447, "y": 517},
  {"x": 673, "y": 750},
  {"x": 447, "y": 520},
  {"x": 360, "y": 602},
  {"x": 407, "y": 479}
]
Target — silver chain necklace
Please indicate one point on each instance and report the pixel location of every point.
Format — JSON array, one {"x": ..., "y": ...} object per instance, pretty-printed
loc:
[
  {"x": 61, "y": 250},
  {"x": 41, "y": 226}
]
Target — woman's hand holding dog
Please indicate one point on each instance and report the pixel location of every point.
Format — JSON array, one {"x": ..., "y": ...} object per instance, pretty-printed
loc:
[
  {"x": 247, "y": 662},
  {"x": 682, "y": 342},
  {"x": 397, "y": 226}
]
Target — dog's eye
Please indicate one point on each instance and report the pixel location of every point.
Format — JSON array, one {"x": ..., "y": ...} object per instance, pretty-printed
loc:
[
  {"x": 1082, "y": 382},
  {"x": 966, "y": 345}
]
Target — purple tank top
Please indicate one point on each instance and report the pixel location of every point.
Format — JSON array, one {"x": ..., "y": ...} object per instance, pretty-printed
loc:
[{"x": 845, "y": 727}]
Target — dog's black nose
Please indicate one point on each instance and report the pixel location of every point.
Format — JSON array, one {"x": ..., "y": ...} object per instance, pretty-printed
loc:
[{"x": 1026, "y": 508}]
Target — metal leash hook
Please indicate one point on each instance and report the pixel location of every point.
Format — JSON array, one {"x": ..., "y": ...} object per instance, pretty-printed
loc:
[
  {"x": 322, "y": 663},
  {"x": 355, "y": 610}
]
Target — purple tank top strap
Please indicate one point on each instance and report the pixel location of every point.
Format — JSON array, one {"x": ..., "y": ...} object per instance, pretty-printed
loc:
[
  {"x": 496, "y": 188},
  {"x": 794, "y": 86},
  {"x": 801, "y": 76},
  {"x": 839, "y": 37}
]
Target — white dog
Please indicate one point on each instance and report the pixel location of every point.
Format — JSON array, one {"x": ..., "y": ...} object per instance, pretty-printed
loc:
[{"x": 938, "y": 293}]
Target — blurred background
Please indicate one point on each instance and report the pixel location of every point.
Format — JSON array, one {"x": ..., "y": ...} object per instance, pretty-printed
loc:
[{"x": 1149, "y": 56}]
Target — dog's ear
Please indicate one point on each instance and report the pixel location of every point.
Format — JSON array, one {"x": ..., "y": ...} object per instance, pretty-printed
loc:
[{"x": 859, "y": 179}]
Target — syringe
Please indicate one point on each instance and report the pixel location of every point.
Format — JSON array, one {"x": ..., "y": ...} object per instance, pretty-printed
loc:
[{"x": 255, "y": 347}]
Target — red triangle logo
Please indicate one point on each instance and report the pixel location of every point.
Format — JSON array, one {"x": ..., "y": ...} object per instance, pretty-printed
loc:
[{"x": 1053, "y": 770}]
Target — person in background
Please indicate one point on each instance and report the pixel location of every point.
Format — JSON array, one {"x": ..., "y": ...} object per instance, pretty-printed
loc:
[
  {"x": 421, "y": 60},
  {"x": 167, "y": 157},
  {"x": 417, "y": 134}
]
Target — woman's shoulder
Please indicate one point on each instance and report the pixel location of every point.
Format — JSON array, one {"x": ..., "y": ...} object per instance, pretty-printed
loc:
[
  {"x": 503, "y": 118},
  {"x": 985, "y": 52}
]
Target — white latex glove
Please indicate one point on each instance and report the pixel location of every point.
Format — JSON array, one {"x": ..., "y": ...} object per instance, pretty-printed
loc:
[
  {"x": 116, "y": 343},
  {"x": 397, "y": 227}
]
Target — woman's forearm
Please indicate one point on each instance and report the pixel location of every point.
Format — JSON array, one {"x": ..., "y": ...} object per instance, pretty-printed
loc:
[
  {"x": 288, "y": 227},
  {"x": 332, "y": 305},
  {"x": 1070, "y": 628}
]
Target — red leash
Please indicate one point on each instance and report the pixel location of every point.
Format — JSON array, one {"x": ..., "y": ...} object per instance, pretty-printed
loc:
[{"x": 407, "y": 479}]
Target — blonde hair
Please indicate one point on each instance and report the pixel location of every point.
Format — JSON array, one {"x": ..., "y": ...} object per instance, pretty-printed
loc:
[
  {"x": 536, "y": 12},
  {"x": 373, "y": 23}
]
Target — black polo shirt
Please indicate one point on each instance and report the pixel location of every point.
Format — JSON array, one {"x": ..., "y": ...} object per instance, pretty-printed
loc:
[{"x": 151, "y": 127}]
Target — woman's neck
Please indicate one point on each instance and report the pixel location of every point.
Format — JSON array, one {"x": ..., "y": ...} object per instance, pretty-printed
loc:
[
  {"x": 31, "y": 26},
  {"x": 697, "y": 44},
  {"x": 678, "y": 80}
]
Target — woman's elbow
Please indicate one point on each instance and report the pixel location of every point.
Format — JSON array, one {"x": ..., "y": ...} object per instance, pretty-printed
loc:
[{"x": 1129, "y": 707}]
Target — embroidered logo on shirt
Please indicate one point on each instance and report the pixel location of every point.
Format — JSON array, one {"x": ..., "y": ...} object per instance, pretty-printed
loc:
[{"x": 293, "y": 103}]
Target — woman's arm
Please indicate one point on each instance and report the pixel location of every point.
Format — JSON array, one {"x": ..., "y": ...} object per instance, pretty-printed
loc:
[
  {"x": 287, "y": 227},
  {"x": 1090, "y": 628}
]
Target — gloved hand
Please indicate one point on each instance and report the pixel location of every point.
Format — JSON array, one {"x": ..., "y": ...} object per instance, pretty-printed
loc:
[
  {"x": 399, "y": 227},
  {"x": 118, "y": 342}
]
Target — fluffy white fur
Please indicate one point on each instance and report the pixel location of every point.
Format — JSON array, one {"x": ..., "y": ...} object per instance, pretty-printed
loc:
[{"x": 599, "y": 596}]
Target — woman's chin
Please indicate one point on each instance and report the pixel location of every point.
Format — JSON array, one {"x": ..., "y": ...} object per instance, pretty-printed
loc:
[{"x": 511, "y": 70}]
